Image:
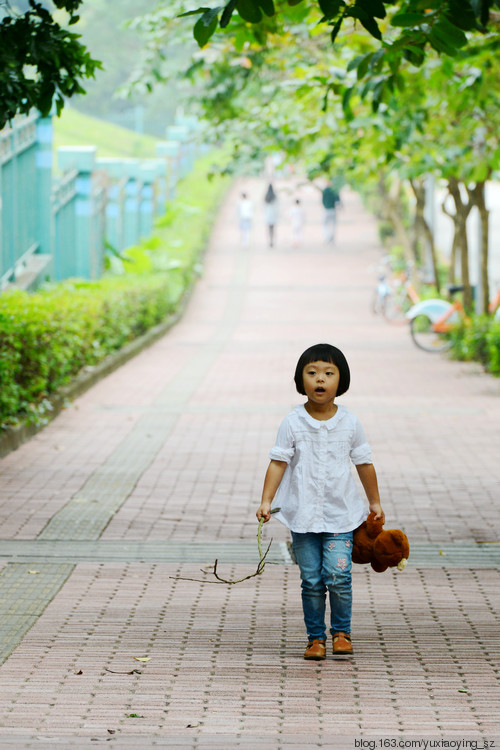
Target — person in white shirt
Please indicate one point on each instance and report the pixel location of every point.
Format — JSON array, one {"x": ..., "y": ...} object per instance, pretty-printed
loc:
[
  {"x": 297, "y": 223},
  {"x": 245, "y": 216},
  {"x": 311, "y": 490}
]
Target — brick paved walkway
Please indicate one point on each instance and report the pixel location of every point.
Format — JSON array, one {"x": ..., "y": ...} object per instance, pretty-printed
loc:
[{"x": 158, "y": 469}]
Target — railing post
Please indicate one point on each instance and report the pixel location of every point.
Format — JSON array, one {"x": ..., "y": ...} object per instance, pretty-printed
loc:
[
  {"x": 160, "y": 193},
  {"x": 146, "y": 213},
  {"x": 81, "y": 158},
  {"x": 115, "y": 204},
  {"x": 132, "y": 195},
  {"x": 170, "y": 150},
  {"x": 43, "y": 161},
  {"x": 180, "y": 133}
]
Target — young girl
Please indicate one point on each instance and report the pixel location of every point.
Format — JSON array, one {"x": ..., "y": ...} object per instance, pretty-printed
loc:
[{"x": 309, "y": 479}]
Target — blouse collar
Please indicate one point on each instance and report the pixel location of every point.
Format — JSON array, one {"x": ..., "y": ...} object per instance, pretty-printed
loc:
[{"x": 318, "y": 423}]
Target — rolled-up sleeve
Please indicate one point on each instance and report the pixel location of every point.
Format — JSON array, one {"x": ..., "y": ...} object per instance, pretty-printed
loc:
[
  {"x": 284, "y": 447},
  {"x": 361, "y": 453}
]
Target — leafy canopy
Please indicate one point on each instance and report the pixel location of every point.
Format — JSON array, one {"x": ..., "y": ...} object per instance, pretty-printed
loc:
[{"x": 41, "y": 62}]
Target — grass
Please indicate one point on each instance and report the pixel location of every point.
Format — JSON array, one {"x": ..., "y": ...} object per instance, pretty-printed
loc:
[{"x": 76, "y": 129}]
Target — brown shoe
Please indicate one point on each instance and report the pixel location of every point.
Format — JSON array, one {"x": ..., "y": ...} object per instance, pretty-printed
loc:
[
  {"x": 342, "y": 645},
  {"x": 316, "y": 650}
]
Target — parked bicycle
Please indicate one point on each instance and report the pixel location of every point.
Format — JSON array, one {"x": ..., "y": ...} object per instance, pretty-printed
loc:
[
  {"x": 432, "y": 319},
  {"x": 394, "y": 294}
]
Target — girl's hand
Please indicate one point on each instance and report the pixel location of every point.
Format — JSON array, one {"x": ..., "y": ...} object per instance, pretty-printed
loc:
[
  {"x": 379, "y": 513},
  {"x": 264, "y": 512}
]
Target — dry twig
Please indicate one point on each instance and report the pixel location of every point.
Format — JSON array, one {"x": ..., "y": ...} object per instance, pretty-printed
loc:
[{"x": 260, "y": 567}]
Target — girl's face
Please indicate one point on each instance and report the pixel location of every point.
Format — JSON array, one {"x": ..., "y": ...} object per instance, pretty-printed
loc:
[{"x": 321, "y": 381}]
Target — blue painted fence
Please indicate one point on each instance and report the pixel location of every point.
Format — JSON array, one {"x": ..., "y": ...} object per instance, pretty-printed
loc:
[{"x": 58, "y": 228}]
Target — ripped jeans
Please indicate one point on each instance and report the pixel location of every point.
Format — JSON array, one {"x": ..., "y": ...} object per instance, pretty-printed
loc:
[{"x": 325, "y": 565}]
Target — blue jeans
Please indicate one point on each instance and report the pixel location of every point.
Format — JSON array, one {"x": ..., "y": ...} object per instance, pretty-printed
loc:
[{"x": 325, "y": 565}]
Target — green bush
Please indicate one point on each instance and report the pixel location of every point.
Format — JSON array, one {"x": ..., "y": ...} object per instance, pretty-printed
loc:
[
  {"x": 46, "y": 338},
  {"x": 477, "y": 339}
]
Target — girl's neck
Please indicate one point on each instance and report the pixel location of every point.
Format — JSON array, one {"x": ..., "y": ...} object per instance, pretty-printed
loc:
[{"x": 321, "y": 412}]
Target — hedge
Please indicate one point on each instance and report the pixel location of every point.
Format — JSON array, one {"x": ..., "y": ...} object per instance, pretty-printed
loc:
[
  {"x": 477, "y": 339},
  {"x": 47, "y": 337}
]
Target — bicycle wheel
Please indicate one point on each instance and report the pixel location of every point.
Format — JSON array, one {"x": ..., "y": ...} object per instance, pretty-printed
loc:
[
  {"x": 425, "y": 337},
  {"x": 395, "y": 308}
]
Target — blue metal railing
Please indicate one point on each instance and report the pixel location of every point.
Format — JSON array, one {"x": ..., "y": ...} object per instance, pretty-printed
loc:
[{"x": 53, "y": 229}]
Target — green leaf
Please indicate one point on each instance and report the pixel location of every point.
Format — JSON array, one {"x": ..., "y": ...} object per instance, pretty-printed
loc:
[
  {"x": 371, "y": 26},
  {"x": 206, "y": 25},
  {"x": 249, "y": 11},
  {"x": 355, "y": 62},
  {"x": 461, "y": 15},
  {"x": 196, "y": 12},
  {"x": 481, "y": 10},
  {"x": 346, "y": 106},
  {"x": 227, "y": 13},
  {"x": 449, "y": 33},
  {"x": 407, "y": 19},
  {"x": 336, "y": 29},
  {"x": 267, "y": 6},
  {"x": 330, "y": 8},
  {"x": 415, "y": 55},
  {"x": 361, "y": 64},
  {"x": 374, "y": 8},
  {"x": 441, "y": 45}
]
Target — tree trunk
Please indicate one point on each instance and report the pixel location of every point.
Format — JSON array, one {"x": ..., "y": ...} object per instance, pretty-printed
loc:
[
  {"x": 392, "y": 210},
  {"x": 477, "y": 196},
  {"x": 423, "y": 229},
  {"x": 462, "y": 211}
]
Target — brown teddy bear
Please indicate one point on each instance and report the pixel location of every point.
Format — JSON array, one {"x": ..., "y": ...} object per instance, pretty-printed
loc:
[{"x": 383, "y": 549}]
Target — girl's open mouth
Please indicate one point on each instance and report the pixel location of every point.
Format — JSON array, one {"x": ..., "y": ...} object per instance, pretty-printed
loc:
[{"x": 319, "y": 390}]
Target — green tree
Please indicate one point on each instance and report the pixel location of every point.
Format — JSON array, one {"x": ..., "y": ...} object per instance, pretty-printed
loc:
[
  {"x": 41, "y": 63},
  {"x": 40, "y": 60}
]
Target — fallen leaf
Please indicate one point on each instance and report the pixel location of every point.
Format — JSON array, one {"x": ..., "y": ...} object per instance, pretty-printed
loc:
[
  {"x": 111, "y": 731},
  {"x": 142, "y": 658},
  {"x": 134, "y": 716},
  {"x": 132, "y": 671},
  {"x": 441, "y": 552},
  {"x": 462, "y": 690},
  {"x": 33, "y": 572},
  {"x": 194, "y": 724},
  {"x": 79, "y": 672}
]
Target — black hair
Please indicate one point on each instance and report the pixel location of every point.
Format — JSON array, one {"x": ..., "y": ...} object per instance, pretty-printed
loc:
[
  {"x": 323, "y": 353},
  {"x": 270, "y": 196}
]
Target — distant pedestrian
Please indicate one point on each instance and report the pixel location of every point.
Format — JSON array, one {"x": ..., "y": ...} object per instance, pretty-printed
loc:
[
  {"x": 245, "y": 216},
  {"x": 297, "y": 223},
  {"x": 330, "y": 199},
  {"x": 271, "y": 213},
  {"x": 310, "y": 486}
]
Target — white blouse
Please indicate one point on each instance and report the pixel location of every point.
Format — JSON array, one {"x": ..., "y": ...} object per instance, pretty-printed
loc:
[{"x": 318, "y": 492}]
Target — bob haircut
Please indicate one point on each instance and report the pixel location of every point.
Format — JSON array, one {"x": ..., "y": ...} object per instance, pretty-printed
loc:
[{"x": 323, "y": 353}]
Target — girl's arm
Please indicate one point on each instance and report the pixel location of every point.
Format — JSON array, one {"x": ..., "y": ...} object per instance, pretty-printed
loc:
[
  {"x": 274, "y": 475},
  {"x": 368, "y": 479}
]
